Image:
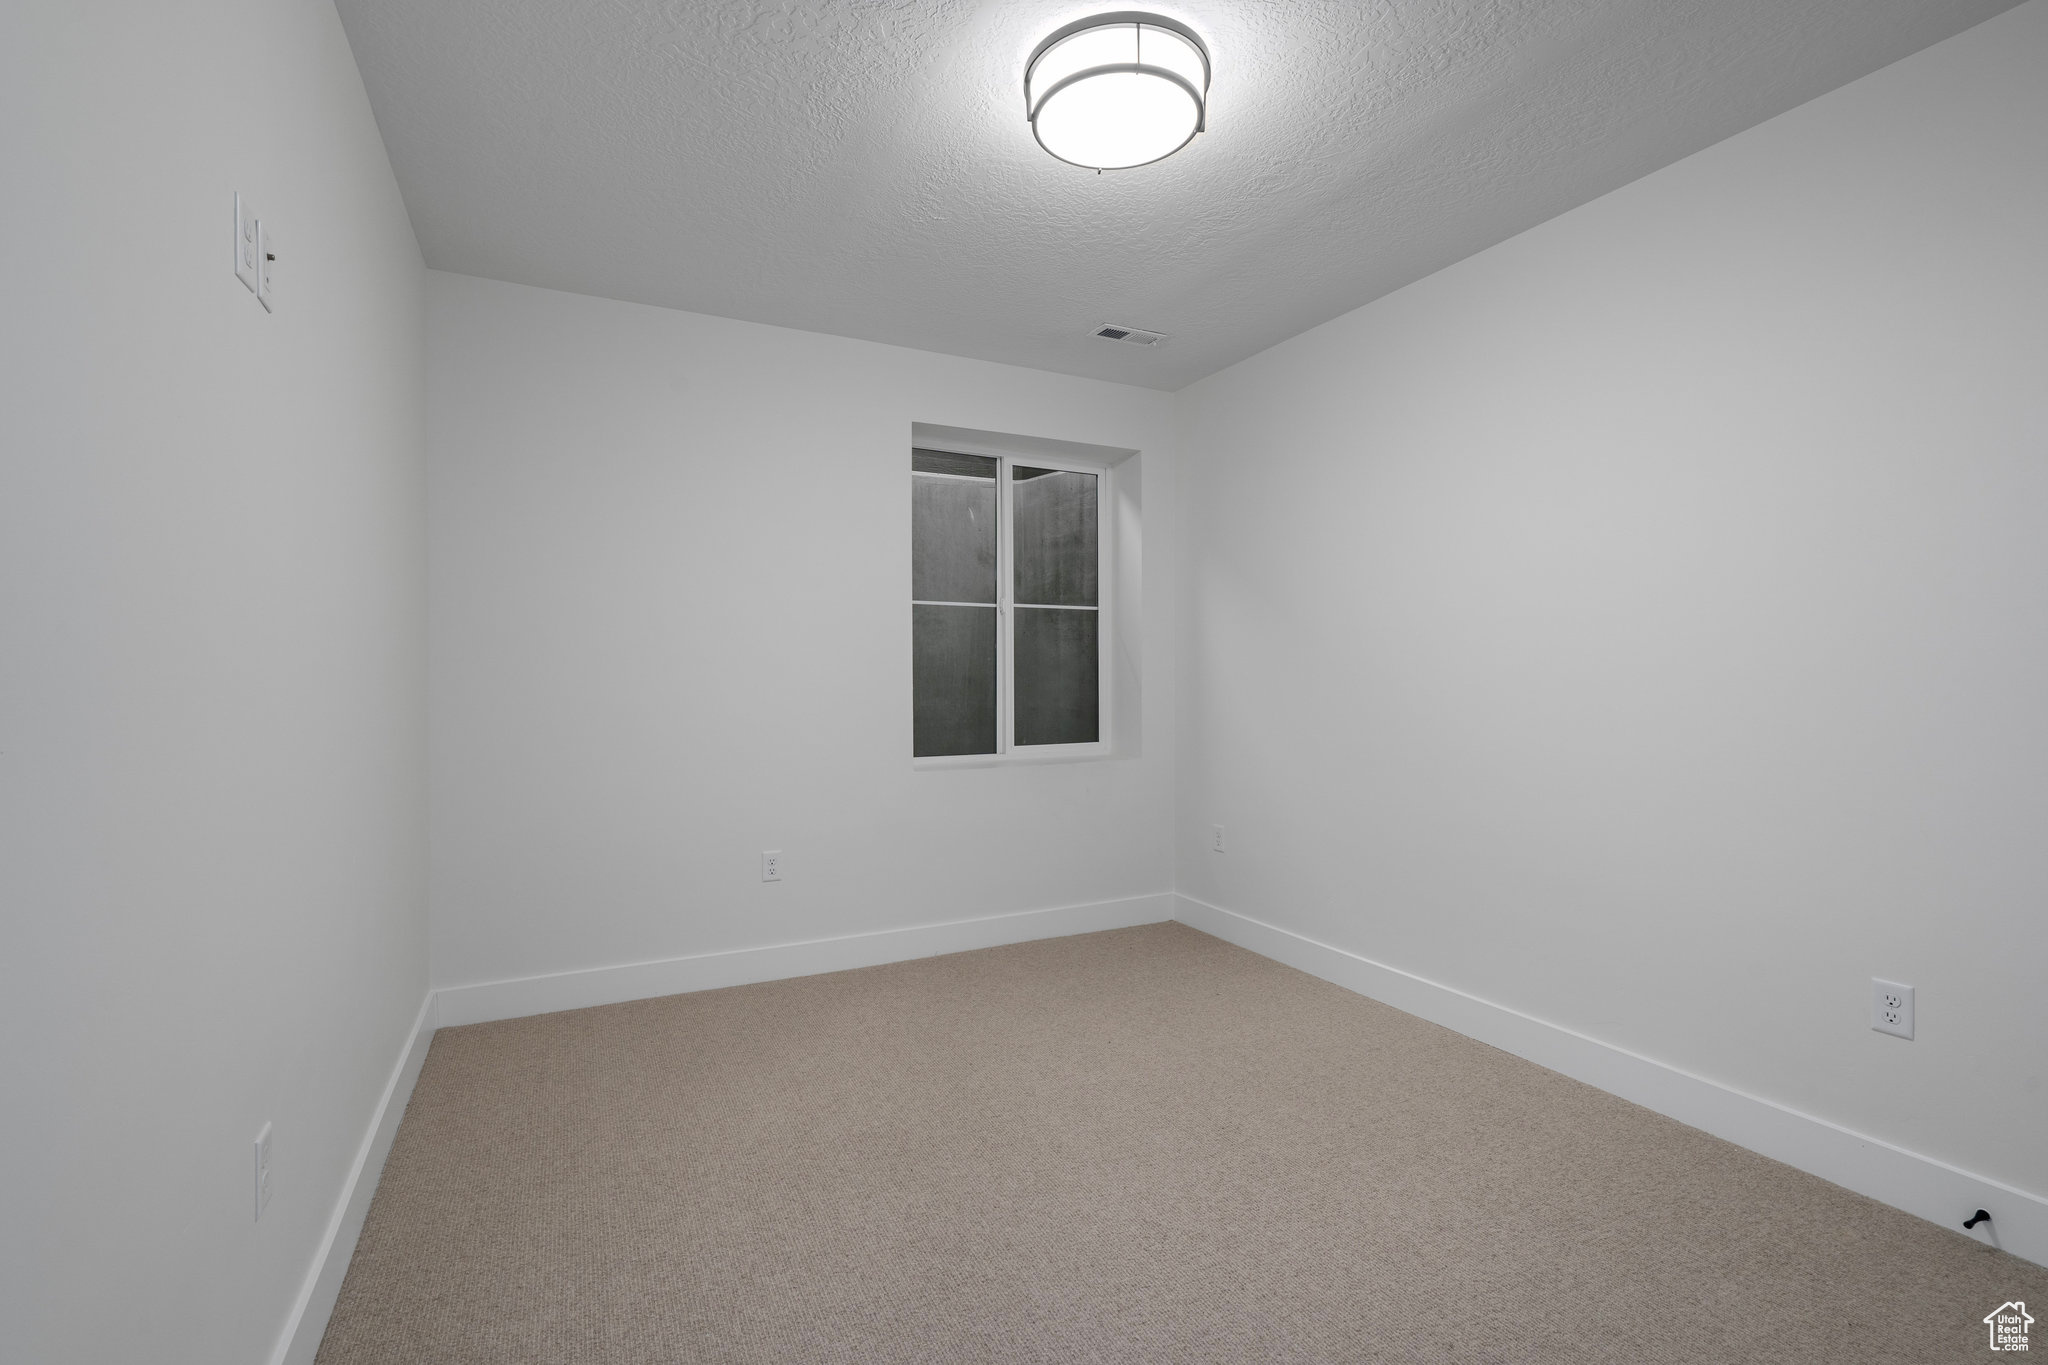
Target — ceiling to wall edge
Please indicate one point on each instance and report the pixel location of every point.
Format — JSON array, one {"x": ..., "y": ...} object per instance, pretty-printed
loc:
[{"x": 1601, "y": 84}]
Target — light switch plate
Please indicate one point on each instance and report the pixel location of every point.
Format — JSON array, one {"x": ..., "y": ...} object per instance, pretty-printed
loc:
[
  {"x": 246, "y": 247},
  {"x": 262, "y": 1170}
]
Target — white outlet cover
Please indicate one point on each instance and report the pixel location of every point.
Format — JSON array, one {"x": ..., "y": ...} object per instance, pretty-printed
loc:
[
  {"x": 266, "y": 253},
  {"x": 771, "y": 865},
  {"x": 1891, "y": 1007}
]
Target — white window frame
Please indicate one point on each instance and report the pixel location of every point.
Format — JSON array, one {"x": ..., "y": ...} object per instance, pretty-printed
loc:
[{"x": 1007, "y": 749}]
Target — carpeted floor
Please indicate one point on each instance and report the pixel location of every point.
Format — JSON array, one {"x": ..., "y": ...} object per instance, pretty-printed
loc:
[{"x": 1137, "y": 1146}]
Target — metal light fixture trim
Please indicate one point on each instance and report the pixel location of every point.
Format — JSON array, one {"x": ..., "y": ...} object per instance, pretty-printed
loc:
[{"x": 1178, "y": 58}]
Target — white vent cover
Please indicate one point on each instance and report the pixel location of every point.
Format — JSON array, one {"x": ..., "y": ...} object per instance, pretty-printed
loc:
[{"x": 1130, "y": 336}]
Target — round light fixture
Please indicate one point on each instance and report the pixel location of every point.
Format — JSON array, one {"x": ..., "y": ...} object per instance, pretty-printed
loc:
[{"x": 1117, "y": 90}]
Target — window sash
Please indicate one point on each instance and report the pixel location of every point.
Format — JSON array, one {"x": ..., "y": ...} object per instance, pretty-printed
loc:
[{"x": 1006, "y": 608}]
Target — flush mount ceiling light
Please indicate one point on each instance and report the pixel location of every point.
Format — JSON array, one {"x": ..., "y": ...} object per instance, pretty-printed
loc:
[{"x": 1117, "y": 90}]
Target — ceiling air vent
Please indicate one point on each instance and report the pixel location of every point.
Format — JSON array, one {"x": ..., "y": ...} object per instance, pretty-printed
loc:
[{"x": 1130, "y": 336}]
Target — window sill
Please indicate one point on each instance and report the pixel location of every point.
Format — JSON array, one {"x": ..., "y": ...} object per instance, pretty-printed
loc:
[{"x": 1080, "y": 753}]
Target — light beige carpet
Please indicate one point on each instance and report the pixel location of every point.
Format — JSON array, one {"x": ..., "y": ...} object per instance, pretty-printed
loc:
[{"x": 1137, "y": 1146}]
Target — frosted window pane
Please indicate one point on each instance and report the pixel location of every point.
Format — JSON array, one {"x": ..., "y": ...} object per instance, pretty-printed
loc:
[
  {"x": 953, "y": 680},
  {"x": 1055, "y": 551},
  {"x": 952, "y": 528},
  {"x": 1058, "y": 697}
]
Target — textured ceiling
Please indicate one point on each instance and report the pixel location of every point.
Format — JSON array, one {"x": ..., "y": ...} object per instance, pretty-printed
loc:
[{"x": 863, "y": 167}]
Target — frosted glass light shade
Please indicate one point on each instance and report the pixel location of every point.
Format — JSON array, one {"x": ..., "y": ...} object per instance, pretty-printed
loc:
[{"x": 1117, "y": 90}]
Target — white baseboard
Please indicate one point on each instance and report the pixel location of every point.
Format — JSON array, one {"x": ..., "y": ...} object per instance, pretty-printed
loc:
[
  {"x": 488, "y": 1000},
  {"x": 1917, "y": 1184},
  {"x": 307, "y": 1322}
]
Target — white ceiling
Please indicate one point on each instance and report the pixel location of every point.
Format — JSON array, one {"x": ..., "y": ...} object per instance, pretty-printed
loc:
[{"x": 863, "y": 167}]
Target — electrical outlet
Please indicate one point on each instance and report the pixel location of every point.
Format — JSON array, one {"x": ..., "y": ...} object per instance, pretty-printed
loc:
[
  {"x": 1891, "y": 1007},
  {"x": 1215, "y": 838},
  {"x": 266, "y": 263},
  {"x": 262, "y": 1169},
  {"x": 246, "y": 248},
  {"x": 771, "y": 865}
]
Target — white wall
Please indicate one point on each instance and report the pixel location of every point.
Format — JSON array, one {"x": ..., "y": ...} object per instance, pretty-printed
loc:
[
  {"x": 671, "y": 629},
  {"x": 1644, "y": 624},
  {"x": 212, "y": 903}
]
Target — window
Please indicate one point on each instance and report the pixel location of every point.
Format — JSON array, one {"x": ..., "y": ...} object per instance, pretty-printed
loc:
[{"x": 1006, "y": 605}]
